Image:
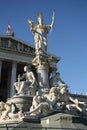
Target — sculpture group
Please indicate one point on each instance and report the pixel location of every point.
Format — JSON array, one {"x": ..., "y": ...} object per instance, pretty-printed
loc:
[{"x": 49, "y": 92}]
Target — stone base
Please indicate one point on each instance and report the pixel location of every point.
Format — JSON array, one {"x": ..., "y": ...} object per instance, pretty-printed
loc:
[
  {"x": 64, "y": 122},
  {"x": 58, "y": 121}
]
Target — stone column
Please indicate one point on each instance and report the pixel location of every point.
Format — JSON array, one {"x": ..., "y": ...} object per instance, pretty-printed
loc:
[
  {"x": 13, "y": 78},
  {"x": 41, "y": 64},
  {"x": 0, "y": 69},
  {"x": 42, "y": 72},
  {"x": 9, "y": 82}
]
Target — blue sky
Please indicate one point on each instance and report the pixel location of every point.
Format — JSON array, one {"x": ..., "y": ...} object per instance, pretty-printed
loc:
[{"x": 67, "y": 40}]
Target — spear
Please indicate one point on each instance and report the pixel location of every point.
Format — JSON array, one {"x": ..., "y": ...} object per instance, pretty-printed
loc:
[{"x": 52, "y": 20}]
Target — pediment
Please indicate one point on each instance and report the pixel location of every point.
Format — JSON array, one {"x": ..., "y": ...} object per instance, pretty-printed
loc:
[{"x": 12, "y": 43}]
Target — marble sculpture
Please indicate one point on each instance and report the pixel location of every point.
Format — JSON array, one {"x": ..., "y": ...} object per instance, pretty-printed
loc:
[{"x": 49, "y": 92}]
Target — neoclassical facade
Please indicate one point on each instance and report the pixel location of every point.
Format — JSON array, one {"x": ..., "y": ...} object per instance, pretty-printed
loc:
[{"x": 14, "y": 55}]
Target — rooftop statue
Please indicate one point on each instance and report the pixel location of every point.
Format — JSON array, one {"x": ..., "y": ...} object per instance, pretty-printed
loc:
[{"x": 40, "y": 31}]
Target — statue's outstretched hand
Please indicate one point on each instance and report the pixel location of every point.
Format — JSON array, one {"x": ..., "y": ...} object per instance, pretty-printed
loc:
[{"x": 30, "y": 22}]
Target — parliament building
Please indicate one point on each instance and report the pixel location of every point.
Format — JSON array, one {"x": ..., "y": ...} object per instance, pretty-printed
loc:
[{"x": 14, "y": 55}]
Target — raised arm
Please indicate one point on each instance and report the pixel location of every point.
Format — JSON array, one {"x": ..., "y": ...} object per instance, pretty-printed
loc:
[{"x": 31, "y": 24}]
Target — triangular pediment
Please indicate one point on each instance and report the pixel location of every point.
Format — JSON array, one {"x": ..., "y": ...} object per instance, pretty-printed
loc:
[{"x": 15, "y": 44}]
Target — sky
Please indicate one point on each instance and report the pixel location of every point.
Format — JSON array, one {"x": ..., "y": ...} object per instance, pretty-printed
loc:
[{"x": 67, "y": 40}]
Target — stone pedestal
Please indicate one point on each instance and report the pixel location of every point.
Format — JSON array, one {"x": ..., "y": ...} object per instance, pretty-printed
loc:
[
  {"x": 59, "y": 121},
  {"x": 42, "y": 72},
  {"x": 22, "y": 102},
  {"x": 13, "y": 78},
  {"x": 63, "y": 121}
]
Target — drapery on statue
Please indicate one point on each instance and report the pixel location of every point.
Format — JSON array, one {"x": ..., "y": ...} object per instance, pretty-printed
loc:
[
  {"x": 29, "y": 81},
  {"x": 40, "y": 31}
]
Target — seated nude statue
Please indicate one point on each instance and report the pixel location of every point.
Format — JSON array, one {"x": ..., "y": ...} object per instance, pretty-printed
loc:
[{"x": 28, "y": 82}]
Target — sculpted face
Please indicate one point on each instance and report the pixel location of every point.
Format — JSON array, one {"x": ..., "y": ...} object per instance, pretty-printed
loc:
[
  {"x": 63, "y": 89},
  {"x": 40, "y": 19},
  {"x": 26, "y": 68}
]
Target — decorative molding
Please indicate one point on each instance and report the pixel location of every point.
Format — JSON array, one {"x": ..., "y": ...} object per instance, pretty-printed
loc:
[{"x": 15, "y": 45}]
